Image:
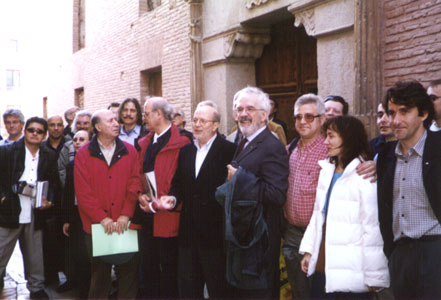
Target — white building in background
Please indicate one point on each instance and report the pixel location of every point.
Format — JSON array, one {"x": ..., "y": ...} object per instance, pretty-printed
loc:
[{"x": 30, "y": 46}]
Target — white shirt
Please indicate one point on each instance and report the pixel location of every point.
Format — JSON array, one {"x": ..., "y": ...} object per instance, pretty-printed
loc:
[
  {"x": 157, "y": 136},
  {"x": 201, "y": 154},
  {"x": 107, "y": 152},
  {"x": 254, "y": 135},
  {"x": 30, "y": 176},
  {"x": 434, "y": 127}
]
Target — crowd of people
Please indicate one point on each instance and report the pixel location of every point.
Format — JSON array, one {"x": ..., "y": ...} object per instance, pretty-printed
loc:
[{"x": 213, "y": 213}]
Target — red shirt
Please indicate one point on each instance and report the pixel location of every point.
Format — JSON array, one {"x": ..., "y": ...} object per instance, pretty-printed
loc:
[{"x": 303, "y": 177}]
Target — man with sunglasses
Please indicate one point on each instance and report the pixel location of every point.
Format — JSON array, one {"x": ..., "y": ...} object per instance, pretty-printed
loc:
[
  {"x": 434, "y": 91},
  {"x": 305, "y": 152},
  {"x": 22, "y": 164}
]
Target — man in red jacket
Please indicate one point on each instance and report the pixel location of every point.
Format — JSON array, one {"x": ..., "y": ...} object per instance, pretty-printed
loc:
[
  {"x": 159, "y": 243},
  {"x": 107, "y": 184}
]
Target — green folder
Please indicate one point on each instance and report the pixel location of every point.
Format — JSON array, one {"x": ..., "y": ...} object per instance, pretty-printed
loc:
[{"x": 108, "y": 244}]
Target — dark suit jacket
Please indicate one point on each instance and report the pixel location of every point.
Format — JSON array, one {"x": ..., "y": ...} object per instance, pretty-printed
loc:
[
  {"x": 12, "y": 165},
  {"x": 431, "y": 177},
  {"x": 266, "y": 157},
  {"x": 201, "y": 216}
]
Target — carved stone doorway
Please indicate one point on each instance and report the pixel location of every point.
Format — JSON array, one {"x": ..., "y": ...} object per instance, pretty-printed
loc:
[{"x": 287, "y": 69}]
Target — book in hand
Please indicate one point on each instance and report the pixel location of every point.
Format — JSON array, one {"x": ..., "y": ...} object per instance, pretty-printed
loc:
[{"x": 42, "y": 188}]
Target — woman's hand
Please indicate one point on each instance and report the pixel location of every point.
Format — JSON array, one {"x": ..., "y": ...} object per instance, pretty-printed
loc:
[{"x": 304, "y": 264}]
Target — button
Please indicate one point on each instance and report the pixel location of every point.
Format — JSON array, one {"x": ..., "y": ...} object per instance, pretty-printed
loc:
[
  {"x": 402, "y": 215},
  {"x": 402, "y": 197},
  {"x": 113, "y": 203},
  {"x": 105, "y": 210},
  {"x": 110, "y": 177},
  {"x": 406, "y": 161},
  {"x": 404, "y": 179}
]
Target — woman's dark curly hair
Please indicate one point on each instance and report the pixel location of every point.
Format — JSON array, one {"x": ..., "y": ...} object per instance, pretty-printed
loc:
[{"x": 354, "y": 139}]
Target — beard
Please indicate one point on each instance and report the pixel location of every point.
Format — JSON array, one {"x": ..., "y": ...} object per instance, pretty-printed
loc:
[{"x": 249, "y": 129}]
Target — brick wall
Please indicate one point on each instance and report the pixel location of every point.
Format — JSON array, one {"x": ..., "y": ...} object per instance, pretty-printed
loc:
[
  {"x": 123, "y": 39},
  {"x": 412, "y": 41}
]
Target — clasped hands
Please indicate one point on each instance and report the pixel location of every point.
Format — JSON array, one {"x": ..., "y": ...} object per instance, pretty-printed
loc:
[
  {"x": 119, "y": 226},
  {"x": 163, "y": 203}
]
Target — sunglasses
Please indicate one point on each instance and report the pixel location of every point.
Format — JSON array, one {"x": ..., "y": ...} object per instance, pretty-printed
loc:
[
  {"x": 308, "y": 117},
  {"x": 34, "y": 130},
  {"x": 81, "y": 139}
]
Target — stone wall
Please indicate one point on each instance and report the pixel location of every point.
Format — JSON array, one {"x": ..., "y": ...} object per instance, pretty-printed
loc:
[{"x": 412, "y": 41}]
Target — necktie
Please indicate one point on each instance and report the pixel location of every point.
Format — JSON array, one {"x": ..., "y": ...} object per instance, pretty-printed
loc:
[{"x": 241, "y": 146}]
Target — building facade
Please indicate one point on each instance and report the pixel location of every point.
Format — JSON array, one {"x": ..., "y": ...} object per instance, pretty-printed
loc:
[{"x": 191, "y": 50}]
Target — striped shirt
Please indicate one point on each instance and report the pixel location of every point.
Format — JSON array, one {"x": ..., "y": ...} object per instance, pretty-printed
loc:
[{"x": 303, "y": 177}]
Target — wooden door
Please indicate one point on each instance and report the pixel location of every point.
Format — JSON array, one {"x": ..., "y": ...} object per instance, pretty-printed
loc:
[{"x": 288, "y": 69}]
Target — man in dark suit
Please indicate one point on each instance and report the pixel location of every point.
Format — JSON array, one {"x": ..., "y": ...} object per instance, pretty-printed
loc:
[
  {"x": 201, "y": 169},
  {"x": 262, "y": 156},
  {"x": 409, "y": 194}
]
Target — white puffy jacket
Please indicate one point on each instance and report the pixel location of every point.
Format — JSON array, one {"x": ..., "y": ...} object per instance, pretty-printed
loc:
[{"x": 354, "y": 257}]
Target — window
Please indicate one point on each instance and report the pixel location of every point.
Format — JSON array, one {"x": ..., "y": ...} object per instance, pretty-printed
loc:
[
  {"x": 12, "y": 79},
  {"x": 148, "y": 5},
  {"x": 151, "y": 83},
  {"x": 79, "y": 97},
  {"x": 13, "y": 46}
]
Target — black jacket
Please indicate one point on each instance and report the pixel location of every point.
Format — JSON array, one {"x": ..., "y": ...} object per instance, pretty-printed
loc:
[
  {"x": 12, "y": 159},
  {"x": 201, "y": 215},
  {"x": 431, "y": 179},
  {"x": 266, "y": 158}
]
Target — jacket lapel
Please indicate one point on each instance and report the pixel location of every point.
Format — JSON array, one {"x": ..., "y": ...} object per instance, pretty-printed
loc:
[
  {"x": 253, "y": 145},
  {"x": 212, "y": 153}
]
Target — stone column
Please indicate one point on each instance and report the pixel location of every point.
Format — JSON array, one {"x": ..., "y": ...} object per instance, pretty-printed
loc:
[
  {"x": 348, "y": 51},
  {"x": 332, "y": 24},
  {"x": 195, "y": 35},
  {"x": 369, "y": 70},
  {"x": 228, "y": 60}
]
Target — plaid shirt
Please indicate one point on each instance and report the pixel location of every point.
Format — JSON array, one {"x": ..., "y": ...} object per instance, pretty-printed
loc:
[
  {"x": 303, "y": 177},
  {"x": 412, "y": 214}
]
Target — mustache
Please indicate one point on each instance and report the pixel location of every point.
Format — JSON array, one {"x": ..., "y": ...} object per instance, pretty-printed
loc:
[
  {"x": 129, "y": 117},
  {"x": 245, "y": 119}
]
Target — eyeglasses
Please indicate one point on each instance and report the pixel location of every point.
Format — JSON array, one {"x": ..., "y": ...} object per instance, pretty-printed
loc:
[
  {"x": 202, "y": 121},
  {"x": 434, "y": 97},
  {"x": 308, "y": 117},
  {"x": 34, "y": 130},
  {"x": 248, "y": 109},
  {"x": 81, "y": 139}
]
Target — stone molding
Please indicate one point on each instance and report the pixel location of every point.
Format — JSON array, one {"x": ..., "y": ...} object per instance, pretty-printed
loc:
[
  {"x": 312, "y": 13},
  {"x": 245, "y": 43},
  {"x": 251, "y": 3},
  {"x": 306, "y": 18}
]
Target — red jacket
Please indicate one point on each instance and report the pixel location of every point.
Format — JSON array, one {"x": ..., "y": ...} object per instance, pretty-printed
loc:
[
  {"x": 102, "y": 190},
  {"x": 165, "y": 223}
]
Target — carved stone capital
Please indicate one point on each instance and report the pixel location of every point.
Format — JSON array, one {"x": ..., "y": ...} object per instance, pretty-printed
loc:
[
  {"x": 250, "y": 3},
  {"x": 245, "y": 43},
  {"x": 306, "y": 18}
]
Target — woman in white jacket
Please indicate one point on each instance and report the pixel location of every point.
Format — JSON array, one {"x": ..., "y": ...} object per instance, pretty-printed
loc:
[{"x": 342, "y": 244}]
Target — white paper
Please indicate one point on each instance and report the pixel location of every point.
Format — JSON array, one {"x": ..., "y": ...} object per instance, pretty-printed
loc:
[{"x": 151, "y": 179}]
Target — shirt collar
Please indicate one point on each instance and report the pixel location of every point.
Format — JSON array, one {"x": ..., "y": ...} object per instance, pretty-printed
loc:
[
  {"x": 136, "y": 130},
  {"x": 105, "y": 148},
  {"x": 418, "y": 148},
  {"x": 254, "y": 135},
  {"x": 207, "y": 145},
  {"x": 29, "y": 153},
  {"x": 311, "y": 145},
  {"x": 157, "y": 136}
]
